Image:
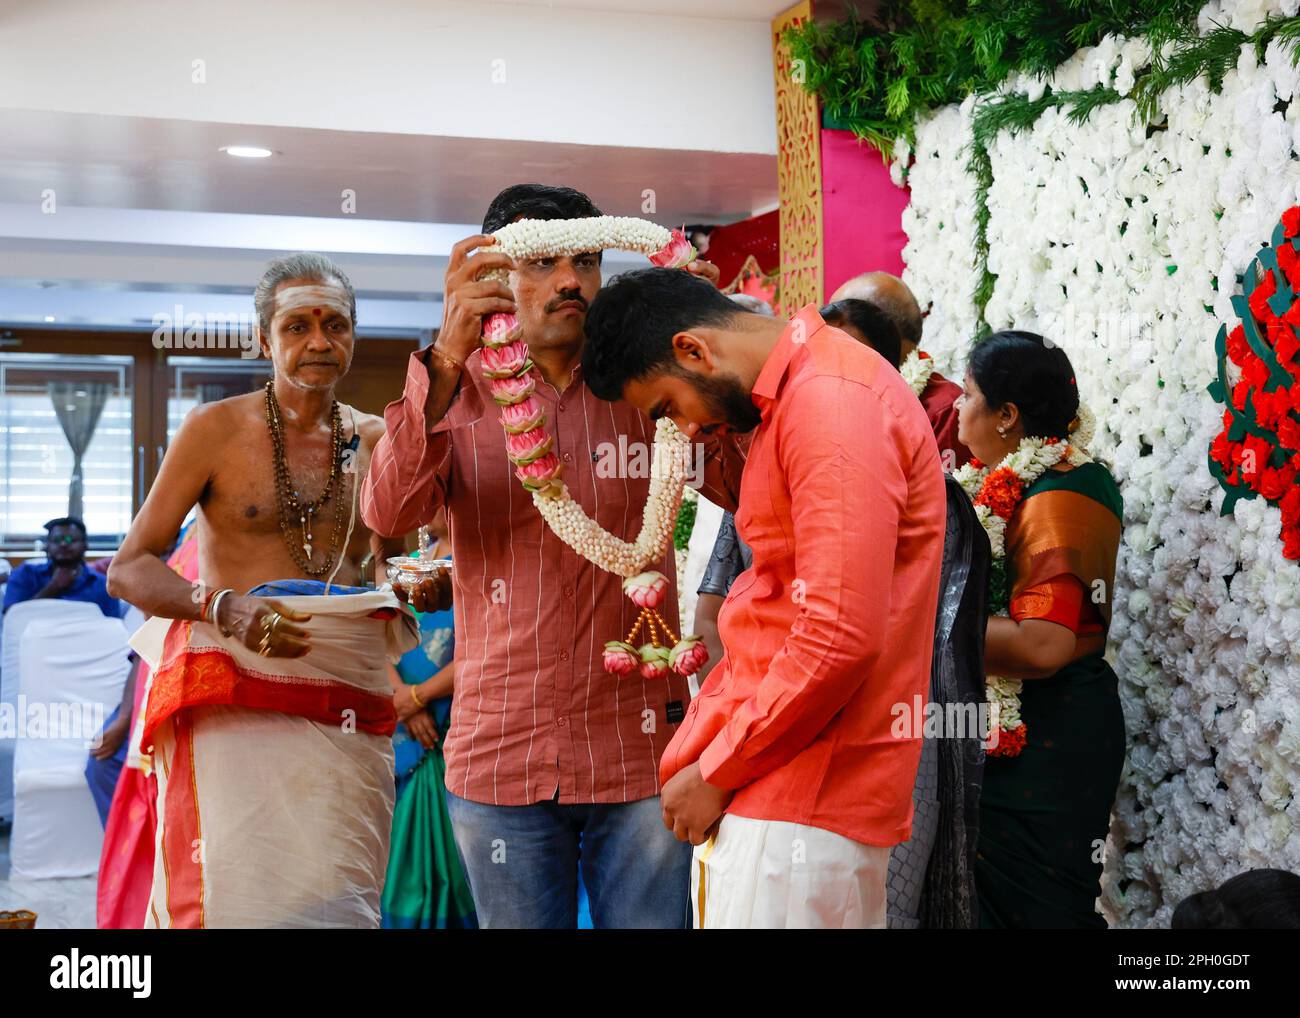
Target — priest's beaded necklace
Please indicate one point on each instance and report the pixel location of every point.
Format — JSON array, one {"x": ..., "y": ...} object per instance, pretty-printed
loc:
[{"x": 287, "y": 499}]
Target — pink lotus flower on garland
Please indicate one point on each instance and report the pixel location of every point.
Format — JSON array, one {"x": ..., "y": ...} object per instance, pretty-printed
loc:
[
  {"x": 654, "y": 662},
  {"x": 507, "y": 391},
  {"x": 676, "y": 253},
  {"x": 647, "y": 590},
  {"x": 523, "y": 416},
  {"x": 689, "y": 656},
  {"x": 528, "y": 446},
  {"x": 621, "y": 658},
  {"x": 500, "y": 329},
  {"x": 541, "y": 474},
  {"x": 505, "y": 361}
]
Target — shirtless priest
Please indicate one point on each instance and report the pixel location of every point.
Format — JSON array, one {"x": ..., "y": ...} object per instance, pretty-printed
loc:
[{"x": 270, "y": 711}]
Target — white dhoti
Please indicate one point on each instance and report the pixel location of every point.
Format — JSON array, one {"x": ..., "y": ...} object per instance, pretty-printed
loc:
[
  {"x": 275, "y": 775},
  {"x": 771, "y": 874}
]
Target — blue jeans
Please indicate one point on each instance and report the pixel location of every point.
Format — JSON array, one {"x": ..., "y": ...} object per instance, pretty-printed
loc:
[{"x": 523, "y": 861}]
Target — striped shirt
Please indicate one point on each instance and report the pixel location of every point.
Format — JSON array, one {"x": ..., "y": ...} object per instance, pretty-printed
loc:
[{"x": 534, "y": 712}]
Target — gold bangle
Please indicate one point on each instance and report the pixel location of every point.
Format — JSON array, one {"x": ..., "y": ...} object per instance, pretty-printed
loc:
[
  {"x": 214, "y": 611},
  {"x": 416, "y": 697},
  {"x": 458, "y": 364}
]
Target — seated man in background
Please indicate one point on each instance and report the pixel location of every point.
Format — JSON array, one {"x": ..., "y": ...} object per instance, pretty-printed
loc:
[
  {"x": 936, "y": 393},
  {"x": 64, "y": 574},
  {"x": 270, "y": 721}
]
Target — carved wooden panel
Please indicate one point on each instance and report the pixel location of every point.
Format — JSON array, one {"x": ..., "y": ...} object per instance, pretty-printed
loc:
[{"x": 799, "y": 173}]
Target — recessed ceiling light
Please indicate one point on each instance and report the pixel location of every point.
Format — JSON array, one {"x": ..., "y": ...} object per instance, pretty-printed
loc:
[
  {"x": 246, "y": 151},
  {"x": 49, "y": 318}
]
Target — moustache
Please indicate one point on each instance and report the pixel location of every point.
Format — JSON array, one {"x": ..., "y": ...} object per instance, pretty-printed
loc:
[{"x": 570, "y": 298}]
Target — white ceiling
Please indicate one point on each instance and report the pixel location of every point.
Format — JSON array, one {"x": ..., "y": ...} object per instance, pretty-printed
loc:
[
  {"x": 729, "y": 10},
  {"x": 389, "y": 99},
  {"x": 92, "y": 160},
  {"x": 596, "y": 76}
]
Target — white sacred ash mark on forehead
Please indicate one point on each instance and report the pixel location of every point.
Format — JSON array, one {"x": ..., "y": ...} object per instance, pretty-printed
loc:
[{"x": 319, "y": 295}]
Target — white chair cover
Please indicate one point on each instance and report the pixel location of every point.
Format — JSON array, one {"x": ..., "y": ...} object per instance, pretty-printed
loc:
[
  {"x": 76, "y": 679},
  {"x": 16, "y": 620}
]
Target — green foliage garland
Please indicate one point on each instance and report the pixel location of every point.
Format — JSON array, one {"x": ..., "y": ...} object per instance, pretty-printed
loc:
[
  {"x": 876, "y": 77},
  {"x": 684, "y": 523}
]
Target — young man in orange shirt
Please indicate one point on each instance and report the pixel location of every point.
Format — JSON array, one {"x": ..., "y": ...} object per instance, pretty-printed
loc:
[{"x": 785, "y": 773}]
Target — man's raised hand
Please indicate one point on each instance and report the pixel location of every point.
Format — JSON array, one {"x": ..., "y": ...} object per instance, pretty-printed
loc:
[{"x": 468, "y": 299}]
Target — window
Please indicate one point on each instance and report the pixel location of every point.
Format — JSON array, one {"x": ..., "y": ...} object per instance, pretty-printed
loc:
[
  {"x": 196, "y": 380},
  {"x": 121, "y": 398},
  {"x": 48, "y": 404}
]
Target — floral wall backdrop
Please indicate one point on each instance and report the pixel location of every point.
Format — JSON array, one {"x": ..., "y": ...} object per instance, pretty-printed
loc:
[{"x": 1122, "y": 240}]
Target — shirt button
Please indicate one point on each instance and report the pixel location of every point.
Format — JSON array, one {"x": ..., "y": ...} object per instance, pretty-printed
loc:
[
  {"x": 561, "y": 721},
  {"x": 568, "y": 591},
  {"x": 568, "y": 457},
  {"x": 693, "y": 706},
  {"x": 564, "y": 655},
  {"x": 561, "y": 406}
]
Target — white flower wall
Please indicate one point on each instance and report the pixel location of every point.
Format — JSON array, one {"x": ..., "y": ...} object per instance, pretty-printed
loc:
[{"x": 1123, "y": 244}]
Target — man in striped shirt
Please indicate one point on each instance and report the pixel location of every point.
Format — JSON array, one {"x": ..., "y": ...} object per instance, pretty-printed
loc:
[{"x": 552, "y": 764}]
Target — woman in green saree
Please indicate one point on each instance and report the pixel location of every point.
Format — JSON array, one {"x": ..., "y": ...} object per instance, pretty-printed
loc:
[
  {"x": 425, "y": 886},
  {"x": 1045, "y": 812}
]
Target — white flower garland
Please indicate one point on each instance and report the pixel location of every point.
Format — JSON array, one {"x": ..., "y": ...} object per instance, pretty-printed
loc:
[
  {"x": 574, "y": 527},
  {"x": 549, "y": 238},
  {"x": 507, "y": 367},
  {"x": 1029, "y": 461},
  {"x": 916, "y": 370}
]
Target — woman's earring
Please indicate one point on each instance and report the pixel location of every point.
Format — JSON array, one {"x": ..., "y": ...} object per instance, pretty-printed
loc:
[{"x": 1002, "y": 432}]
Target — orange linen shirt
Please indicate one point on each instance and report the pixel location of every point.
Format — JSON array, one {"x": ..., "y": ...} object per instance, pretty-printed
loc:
[{"x": 842, "y": 501}]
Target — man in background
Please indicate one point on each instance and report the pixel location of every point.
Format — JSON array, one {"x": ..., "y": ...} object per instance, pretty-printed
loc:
[
  {"x": 270, "y": 719},
  {"x": 64, "y": 573},
  {"x": 892, "y": 296},
  {"x": 552, "y": 764}
]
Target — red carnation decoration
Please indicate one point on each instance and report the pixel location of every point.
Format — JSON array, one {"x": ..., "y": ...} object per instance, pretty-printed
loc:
[
  {"x": 1010, "y": 742},
  {"x": 1291, "y": 221},
  {"x": 1001, "y": 492},
  {"x": 1257, "y": 451}
]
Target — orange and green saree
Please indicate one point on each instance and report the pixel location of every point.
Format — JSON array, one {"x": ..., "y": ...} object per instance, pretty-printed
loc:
[{"x": 1045, "y": 813}]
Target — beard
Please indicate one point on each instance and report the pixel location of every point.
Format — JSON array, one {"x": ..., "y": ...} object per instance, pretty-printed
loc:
[{"x": 727, "y": 399}]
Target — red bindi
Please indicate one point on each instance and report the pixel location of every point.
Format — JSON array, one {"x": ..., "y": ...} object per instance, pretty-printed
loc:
[{"x": 316, "y": 312}]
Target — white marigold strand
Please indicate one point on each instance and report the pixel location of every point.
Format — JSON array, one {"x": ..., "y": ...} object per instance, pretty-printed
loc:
[
  {"x": 667, "y": 481},
  {"x": 916, "y": 371},
  {"x": 538, "y": 238},
  {"x": 507, "y": 367}
]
